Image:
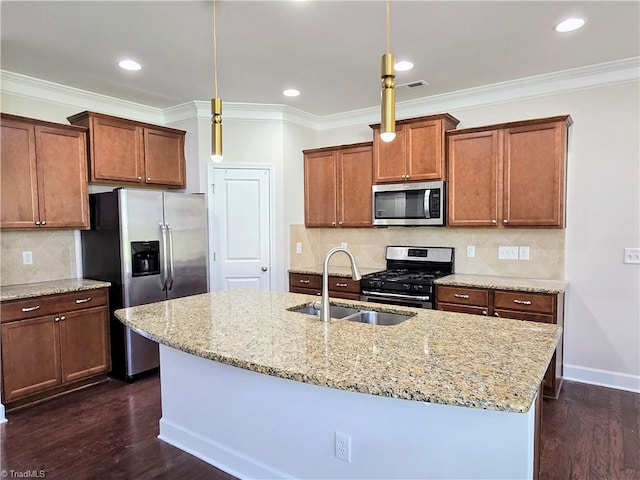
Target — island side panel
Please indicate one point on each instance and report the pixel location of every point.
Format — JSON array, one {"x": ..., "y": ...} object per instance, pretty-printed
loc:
[{"x": 253, "y": 425}]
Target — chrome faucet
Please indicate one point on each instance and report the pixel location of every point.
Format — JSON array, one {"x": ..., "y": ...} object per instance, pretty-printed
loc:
[{"x": 324, "y": 303}]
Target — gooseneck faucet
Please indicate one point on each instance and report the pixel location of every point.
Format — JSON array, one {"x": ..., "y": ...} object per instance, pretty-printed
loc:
[{"x": 355, "y": 274}]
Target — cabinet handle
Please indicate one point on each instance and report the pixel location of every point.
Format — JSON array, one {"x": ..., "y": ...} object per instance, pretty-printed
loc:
[
  {"x": 459, "y": 295},
  {"x": 342, "y": 284},
  {"x": 37, "y": 222},
  {"x": 505, "y": 221},
  {"x": 305, "y": 281},
  {"x": 494, "y": 221},
  {"x": 30, "y": 309},
  {"x": 496, "y": 314},
  {"x": 522, "y": 302},
  {"x": 484, "y": 312},
  {"x": 83, "y": 300}
]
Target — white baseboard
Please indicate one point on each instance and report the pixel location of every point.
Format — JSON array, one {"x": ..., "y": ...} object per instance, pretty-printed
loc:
[{"x": 604, "y": 378}]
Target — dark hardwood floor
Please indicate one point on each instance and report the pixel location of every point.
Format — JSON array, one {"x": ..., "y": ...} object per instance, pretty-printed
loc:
[{"x": 108, "y": 431}]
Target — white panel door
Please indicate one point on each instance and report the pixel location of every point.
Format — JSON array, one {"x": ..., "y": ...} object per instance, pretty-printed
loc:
[{"x": 241, "y": 228}]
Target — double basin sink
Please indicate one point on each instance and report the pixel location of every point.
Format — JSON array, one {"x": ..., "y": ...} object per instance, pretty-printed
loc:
[{"x": 356, "y": 315}]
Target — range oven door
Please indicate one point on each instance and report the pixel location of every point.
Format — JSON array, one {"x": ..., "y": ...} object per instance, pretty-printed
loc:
[{"x": 397, "y": 299}]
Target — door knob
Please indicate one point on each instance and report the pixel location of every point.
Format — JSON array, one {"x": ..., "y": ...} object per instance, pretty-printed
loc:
[{"x": 264, "y": 269}]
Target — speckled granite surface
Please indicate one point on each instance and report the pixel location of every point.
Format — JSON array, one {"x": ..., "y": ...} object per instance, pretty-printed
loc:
[
  {"x": 504, "y": 283},
  {"x": 435, "y": 356},
  {"x": 30, "y": 290},
  {"x": 334, "y": 271}
]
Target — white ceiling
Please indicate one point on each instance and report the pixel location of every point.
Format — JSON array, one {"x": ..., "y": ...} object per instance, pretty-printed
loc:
[{"x": 329, "y": 50}]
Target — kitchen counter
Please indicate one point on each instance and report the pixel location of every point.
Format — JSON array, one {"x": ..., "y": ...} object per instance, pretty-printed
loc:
[
  {"x": 31, "y": 290},
  {"x": 335, "y": 271},
  {"x": 534, "y": 285},
  {"x": 435, "y": 356}
]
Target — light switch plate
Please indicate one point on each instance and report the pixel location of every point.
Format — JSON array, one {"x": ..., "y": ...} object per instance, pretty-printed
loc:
[
  {"x": 298, "y": 247},
  {"x": 471, "y": 251},
  {"x": 523, "y": 253},
  {"x": 508, "y": 253},
  {"x": 632, "y": 255},
  {"x": 27, "y": 258}
]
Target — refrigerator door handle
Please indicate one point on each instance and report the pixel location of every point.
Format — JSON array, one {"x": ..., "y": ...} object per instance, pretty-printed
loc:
[
  {"x": 165, "y": 268},
  {"x": 171, "y": 269}
]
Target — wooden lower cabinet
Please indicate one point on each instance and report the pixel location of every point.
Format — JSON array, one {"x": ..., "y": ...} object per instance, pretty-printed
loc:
[
  {"x": 311, "y": 284},
  {"x": 533, "y": 307},
  {"x": 48, "y": 354}
]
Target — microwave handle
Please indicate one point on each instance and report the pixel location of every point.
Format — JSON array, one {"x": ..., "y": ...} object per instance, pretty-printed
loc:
[{"x": 427, "y": 198}]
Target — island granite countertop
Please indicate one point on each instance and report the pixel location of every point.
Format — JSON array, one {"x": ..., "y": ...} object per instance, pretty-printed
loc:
[
  {"x": 54, "y": 287},
  {"x": 534, "y": 285},
  {"x": 435, "y": 356}
]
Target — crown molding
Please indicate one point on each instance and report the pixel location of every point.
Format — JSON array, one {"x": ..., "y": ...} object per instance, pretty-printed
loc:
[
  {"x": 28, "y": 87},
  {"x": 592, "y": 76}
]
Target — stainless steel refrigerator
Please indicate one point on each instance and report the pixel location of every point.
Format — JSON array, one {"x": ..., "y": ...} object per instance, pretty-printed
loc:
[{"x": 152, "y": 246}]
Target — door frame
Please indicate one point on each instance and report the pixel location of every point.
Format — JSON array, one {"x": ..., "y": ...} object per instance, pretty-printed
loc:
[{"x": 213, "y": 244}]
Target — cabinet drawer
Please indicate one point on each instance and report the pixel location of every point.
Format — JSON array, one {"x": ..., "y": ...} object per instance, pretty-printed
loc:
[
  {"x": 305, "y": 281},
  {"x": 529, "y": 316},
  {"x": 306, "y": 291},
  {"x": 526, "y": 302},
  {"x": 452, "y": 307},
  {"x": 343, "y": 284},
  {"x": 40, "y": 306},
  {"x": 463, "y": 295}
]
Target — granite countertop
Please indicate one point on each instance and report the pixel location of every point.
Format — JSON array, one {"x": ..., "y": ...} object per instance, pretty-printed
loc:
[
  {"x": 534, "y": 285},
  {"x": 435, "y": 356},
  {"x": 333, "y": 270},
  {"x": 31, "y": 290}
]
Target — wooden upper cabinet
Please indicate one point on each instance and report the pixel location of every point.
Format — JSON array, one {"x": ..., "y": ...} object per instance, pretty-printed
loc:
[
  {"x": 124, "y": 151},
  {"x": 44, "y": 175},
  {"x": 509, "y": 175},
  {"x": 337, "y": 186},
  {"x": 416, "y": 154}
]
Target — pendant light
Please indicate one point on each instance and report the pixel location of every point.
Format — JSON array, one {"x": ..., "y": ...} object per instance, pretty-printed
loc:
[
  {"x": 388, "y": 110},
  {"x": 216, "y": 103}
]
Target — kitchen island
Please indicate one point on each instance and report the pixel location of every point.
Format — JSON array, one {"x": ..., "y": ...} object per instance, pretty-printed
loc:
[{"x": 263, "y": 392}]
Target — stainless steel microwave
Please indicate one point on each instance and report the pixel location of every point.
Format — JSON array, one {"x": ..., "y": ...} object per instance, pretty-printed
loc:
[{"x": 407, "y": 204}]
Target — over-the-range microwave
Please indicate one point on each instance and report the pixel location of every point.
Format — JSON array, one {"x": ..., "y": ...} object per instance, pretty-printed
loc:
[{"x": 408, "y": 204}]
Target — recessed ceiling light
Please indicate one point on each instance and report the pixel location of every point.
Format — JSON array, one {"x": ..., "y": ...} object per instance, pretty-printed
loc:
[
  {"x": 291, "y": 92},
  {"x": 129, "y": 65},
  {"x": 403, "y": 66},
  {"x": 569, "y": 25}
]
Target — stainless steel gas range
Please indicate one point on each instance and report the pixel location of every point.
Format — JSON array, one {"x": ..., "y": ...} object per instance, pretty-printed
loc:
[{"x": 408, "y": 279}]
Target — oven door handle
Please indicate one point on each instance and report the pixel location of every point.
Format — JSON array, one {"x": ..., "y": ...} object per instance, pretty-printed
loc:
[
  {"x": 427, "y": 198},
  {"x": 396, "y": 295}
]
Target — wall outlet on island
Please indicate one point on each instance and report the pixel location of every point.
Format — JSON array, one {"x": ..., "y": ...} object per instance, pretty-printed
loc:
[
  {"x": 508, "y": 253},
  {"x": 632, "y": 255},
  {"x": 343, "y": 446},
  {"x": 523, "y": 253}
]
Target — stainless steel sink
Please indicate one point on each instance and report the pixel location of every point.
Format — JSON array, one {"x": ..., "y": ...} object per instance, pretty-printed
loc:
[{"x": 357, "y": 315}]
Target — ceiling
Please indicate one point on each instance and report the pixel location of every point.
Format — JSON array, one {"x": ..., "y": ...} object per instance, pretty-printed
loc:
[{"x": 329, "y": 50}]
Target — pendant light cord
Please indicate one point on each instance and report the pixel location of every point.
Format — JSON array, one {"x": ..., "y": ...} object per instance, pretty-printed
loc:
[
  {"x": 215, "y": 52},
  {"x": 388, "y": 30}
]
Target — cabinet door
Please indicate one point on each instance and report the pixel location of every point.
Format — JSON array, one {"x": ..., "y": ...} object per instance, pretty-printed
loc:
[
  {"x": 62, "y": 177},
  {"x": 84, "y": 343},
  {"x": 116, "y": 150},
  {"x": 320, "y": 189},
  {"x": 19, "y": 185},
  {"x": 164, "y": 162},
  {"x": 354, "y": 187},
  {"x": 425, "y": 150},
  {"x": 474, "y": 161},
  {"x": 389, "y": 157},
  {"x": 30, "y": 357},
  {"x": 534, "y": 170}
]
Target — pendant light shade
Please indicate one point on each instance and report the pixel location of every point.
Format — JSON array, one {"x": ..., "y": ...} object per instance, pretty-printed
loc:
[
  {"x": 388, "y": 109},
  {"x": 216, "y": 102}
]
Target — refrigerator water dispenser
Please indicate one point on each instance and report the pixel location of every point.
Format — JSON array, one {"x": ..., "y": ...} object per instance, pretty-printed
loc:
[{"x": 145, "y": 258}]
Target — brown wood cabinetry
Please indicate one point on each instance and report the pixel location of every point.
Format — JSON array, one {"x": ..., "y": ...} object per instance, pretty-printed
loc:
[
  {"x": 337, "y": 186},
  {"x": 130, "y": 152},
  {"x": 534, "y": 307},
  {"x": 311, "y": 284},
  {"x": 416, "y": 154},
  {"x": 44, "y": 174},
  {"x": 508, "y": 175},
  {"x": 52, "y": 344}
]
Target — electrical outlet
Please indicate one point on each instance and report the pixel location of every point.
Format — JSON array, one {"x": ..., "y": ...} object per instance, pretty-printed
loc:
[
  {"x": 343, "y": 244},
  {"x": 523, "y": 253},
  {"x": 298, "y": 247},
  {"x": 27, "y": 258},
  {"x": 632, "y": 255},
  {"x": 343, "y": 446},
  {"x": 471, "y": 251},
  {"x": 508, "y": 253}
]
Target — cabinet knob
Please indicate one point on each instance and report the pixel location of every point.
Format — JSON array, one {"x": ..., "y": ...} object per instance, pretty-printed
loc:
[
  {"x": 139, "y": 178},
  {"x": 333, "y": 223},
  {"x": 148, "y": 179},
  {"x": 57, "y": 319},
  {"x": 505, "y": 221},
  {"x": 496, "y": 314},
  {"x": 484, "y": 312},
  {"x": 37, "y": 222},
  {"x": 339, "y": 223},
  {"x": 494, "y": 221},
  {"x": 62, "y": 317}
]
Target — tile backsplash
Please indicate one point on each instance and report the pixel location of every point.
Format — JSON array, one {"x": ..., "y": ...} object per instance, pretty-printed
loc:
[
  {"x": 53, "y": 253},
  {"x": 546, "y": 248}
]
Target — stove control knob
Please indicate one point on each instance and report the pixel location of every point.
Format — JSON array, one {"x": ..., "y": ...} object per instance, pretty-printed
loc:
[{"x": 406, "y": 286}]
